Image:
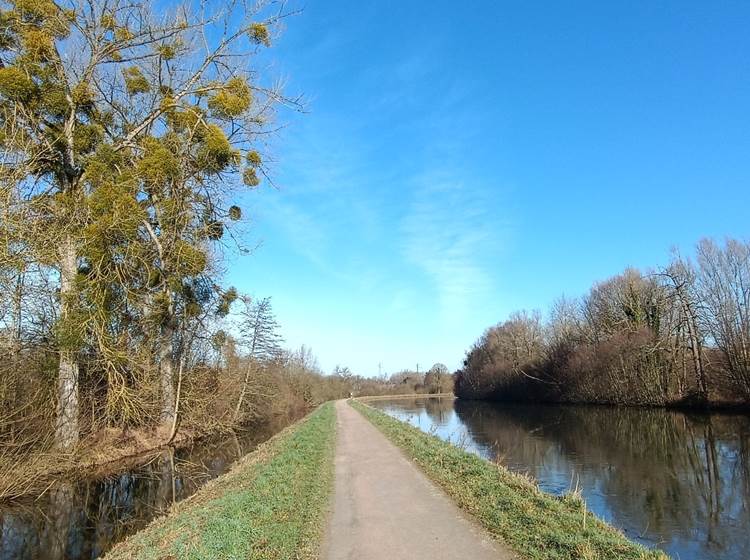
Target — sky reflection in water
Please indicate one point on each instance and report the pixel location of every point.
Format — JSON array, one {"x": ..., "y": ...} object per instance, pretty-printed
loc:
[{"x": 666, "y": 478}]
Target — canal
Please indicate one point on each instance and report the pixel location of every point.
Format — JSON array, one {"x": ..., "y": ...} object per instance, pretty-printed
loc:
[{"x": 82, "y": 518}]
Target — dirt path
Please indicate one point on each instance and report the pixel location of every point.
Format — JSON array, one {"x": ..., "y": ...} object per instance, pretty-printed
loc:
[{"x": 385, "y": 509}]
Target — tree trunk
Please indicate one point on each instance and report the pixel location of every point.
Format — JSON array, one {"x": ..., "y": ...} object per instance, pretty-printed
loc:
[
  {"x": 62, "y": 508},
  {"x": 695, "y": 348},
  {"x": 175, "y": 415},
  {"x": 66, "y": 427},
  {"x": 166, "y": 374},
  {"x": 245, "y": 382},
  {"x": 248, "y": 370}
]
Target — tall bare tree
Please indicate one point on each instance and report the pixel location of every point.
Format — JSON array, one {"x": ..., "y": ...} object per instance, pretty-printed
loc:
[
  {"x": 682, "y": 281},
  {"x": 261, "y": 339},
  {"x": 724, "y": 284}
]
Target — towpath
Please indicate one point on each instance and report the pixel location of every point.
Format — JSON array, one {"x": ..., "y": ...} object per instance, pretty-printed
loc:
[{"x": 385, "y": 509}]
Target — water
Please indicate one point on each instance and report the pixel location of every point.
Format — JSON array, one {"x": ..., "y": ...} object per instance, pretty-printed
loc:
[
  {"x": 673, "y": 480},
  {"x": 82, "y": 519}
]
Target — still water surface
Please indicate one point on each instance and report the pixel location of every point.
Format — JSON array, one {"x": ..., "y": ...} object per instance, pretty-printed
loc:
[
  {"x": 677, "y": 481},
  {"x": 82, "y": 519}
]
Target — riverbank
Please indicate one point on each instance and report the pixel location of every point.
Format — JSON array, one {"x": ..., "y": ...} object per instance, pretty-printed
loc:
[
  {"x": 30, "y": 475},
  {"x": 687, "y": 406},
  {"x": 405, "y": 396},
  {"x": 539, "y": 526},
  {"x": 106, "y": 453},
  {"x": 272, "y": 504}
]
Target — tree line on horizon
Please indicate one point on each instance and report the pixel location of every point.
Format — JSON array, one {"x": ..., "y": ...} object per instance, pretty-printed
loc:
[{"x": 676, "y": 335}]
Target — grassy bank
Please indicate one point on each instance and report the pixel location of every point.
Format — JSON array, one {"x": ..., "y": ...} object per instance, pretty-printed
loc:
[
  {"x": 271, "y": 505},
  {"x": 539, "y": 526}
]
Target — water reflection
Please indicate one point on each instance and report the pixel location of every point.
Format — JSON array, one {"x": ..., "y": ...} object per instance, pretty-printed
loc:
[
  {"x": 668, "y": 479},
  {"x": 83, "y": 519}
]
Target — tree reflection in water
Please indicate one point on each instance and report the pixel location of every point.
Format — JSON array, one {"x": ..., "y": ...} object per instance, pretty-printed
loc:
[
  {"x": 83, "y": 519},
  {"x": 670, "y": 479}
]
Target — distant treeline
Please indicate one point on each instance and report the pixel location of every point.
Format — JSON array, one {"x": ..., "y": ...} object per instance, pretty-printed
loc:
[{"x": 678, "y": 335}]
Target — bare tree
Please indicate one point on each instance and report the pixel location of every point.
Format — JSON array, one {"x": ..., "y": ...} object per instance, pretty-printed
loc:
[
  {"x": 260, "y": 337},
  {"x": 724, "y": 286},
  {"x": 682, "y": 281},
  {"x": 437, "y": 378}
]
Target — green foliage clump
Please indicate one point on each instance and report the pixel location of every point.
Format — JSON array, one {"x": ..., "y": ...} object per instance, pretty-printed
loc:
[
  {"x": 135, "y": 81},
  {"x": 16, "y": 85},
  {"x": 233, "y": 99},
  {"x": 192, "y": 309},
  {"x": 185, "y": 120},
  {"x": 159, "y": 312},
  {"x": 258, "y": 34},
  {"x": 123, "y": 34},
  {"x": 168, "y": 105},
  {"x": 216, "y": 154},
  {"x": 36, "y": 11},
  {"x": 166, "y": 91},
  {"x": 219, "y": 339},
  {"x": 253, "y": 158},
  {"x": 7, "y": 38},
  {"x": 115, "y": 209},
  {"x": 82, "y": 95},
  {"x": 158, "y": 164},
  {"x": 53, "y": 100},
  {"x": 250, "y": 177},
  {"x": 102, "y": 164},
  {"x": 42, "y": 14},
  {"x": 235, "y": 213},
  {"x": 172, "y": 213},
  {"x": 70, "y": 330},
  {"x": 86, "y": 137},
  {"x": 154, "y": 278},
  {"x": 214, "y": 230},
  {"x": 167, "y": 51},
  {"x": 114, "y": 213},
  {"x": 109, "y": 22},
  {"x": 225, "y": 301},
  {"x": 38, "y": 45},
  {"x": 191, "y": 260}
]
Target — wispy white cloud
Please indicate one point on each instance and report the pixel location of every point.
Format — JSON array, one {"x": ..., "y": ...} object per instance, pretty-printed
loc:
[
  {"x": 452, "y": 236},
  {"x": 326, "y": 208},
  {"x": 306, "y": 234}
]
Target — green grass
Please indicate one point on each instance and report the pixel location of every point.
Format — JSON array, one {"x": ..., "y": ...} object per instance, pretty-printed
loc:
[
  {"x": 271, "y": 505},
  {"x": 535, "y": 524}
]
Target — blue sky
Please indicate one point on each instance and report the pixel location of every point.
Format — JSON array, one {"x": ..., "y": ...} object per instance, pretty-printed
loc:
[{"x": 459, "y": 161}]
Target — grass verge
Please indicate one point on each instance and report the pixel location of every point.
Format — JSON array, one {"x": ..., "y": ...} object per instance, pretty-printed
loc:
[
  {"x": 537, "y": 525},
  {"x": 271, "y": 505}
]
